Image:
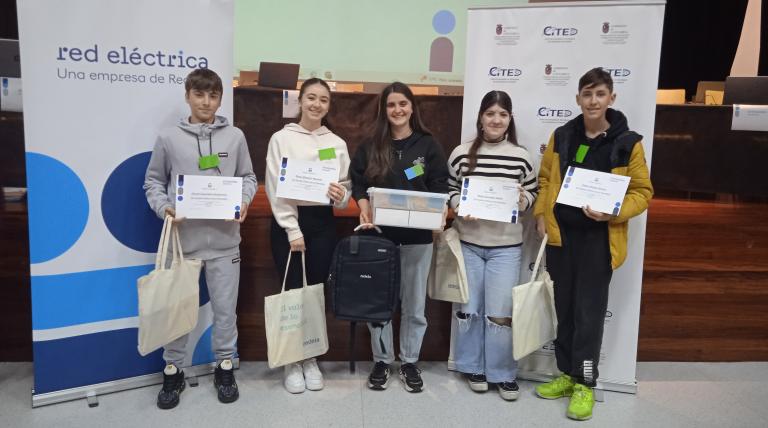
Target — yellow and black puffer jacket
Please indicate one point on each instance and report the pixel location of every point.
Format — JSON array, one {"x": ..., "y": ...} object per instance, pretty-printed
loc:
[{"x": 627, "y": 159}]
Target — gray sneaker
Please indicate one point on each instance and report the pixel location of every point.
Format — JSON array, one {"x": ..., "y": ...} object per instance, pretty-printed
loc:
[
  {"x": 509, "y": 390},
  {"x": 477, "y": 382}
]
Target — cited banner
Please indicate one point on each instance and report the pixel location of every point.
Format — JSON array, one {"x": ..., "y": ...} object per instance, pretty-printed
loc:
[
  {"x": 101, "y": 78},
  {"x": 537, "y": 53}
]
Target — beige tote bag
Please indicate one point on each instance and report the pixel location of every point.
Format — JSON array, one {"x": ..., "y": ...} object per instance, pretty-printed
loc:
[
  {"x": 168, "y": 297},
  {"x": 534, "y": 321},
  {"x": 447, "y": 275},
  {"x": 295, "y": 322}
]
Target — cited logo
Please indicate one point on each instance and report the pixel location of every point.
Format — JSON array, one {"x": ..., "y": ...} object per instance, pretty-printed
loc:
[
  {"x": 618, "y": 72},
  {"x": 551, "y": 31},
  {"x": 554, "y": 112},
  {"x": 504, "y": 72}
]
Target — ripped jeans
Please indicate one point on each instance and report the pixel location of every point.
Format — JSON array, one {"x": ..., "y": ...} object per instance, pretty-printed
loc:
[{"x": 484, "y": 337}]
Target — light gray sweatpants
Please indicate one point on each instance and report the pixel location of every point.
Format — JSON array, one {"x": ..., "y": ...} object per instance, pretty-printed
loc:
[
  {"x": 415, "y": 261},
  {"x": 222, "y": 275}
]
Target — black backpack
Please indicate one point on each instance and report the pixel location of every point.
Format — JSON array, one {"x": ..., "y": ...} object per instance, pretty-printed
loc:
[{"x": 364, "y": 281}]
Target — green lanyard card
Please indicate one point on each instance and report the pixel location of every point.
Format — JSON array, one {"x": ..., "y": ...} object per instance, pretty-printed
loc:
[
  {"x": 208, "y": 162},
  {"x": 327, "y": 154},
  {"x": 581, "y": 153}
]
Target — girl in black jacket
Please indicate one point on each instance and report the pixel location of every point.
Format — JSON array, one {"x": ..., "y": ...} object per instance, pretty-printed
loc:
[{"x": 399, "y": 142}]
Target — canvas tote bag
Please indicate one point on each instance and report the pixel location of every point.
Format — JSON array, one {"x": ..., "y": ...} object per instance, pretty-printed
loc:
[
  {"x": 168, "y": 297},
  {"x": 534, "y": 321},
  {"x": 295, "y": 322},
  {"x": 447, "y": 275}
]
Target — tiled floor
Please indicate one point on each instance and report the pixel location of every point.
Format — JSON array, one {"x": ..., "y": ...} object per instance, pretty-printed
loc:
[{"x": 670, "y": 395}]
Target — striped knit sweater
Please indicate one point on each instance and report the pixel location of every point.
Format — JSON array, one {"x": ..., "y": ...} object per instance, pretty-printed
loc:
[{"x": 498, "y": 161}]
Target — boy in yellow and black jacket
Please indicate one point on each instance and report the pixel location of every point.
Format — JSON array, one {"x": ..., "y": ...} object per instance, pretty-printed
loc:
[{"x": 585, "y": 246}]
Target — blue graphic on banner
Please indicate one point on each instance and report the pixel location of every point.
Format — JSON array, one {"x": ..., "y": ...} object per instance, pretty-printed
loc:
[
  {"x": 204, "y": 298},
  {"x": 125, "y": 209},
  {"x": 91, "y": 359},
  {"x": 203, "y": 352},
  {"x": 444, "y": 22},
  {"x": 51, "y": 183},
  {"x": 84, "y": 297}
]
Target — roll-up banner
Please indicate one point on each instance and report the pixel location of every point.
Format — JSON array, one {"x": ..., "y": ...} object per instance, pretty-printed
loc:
[
  {"x": 537, "y": 53},
  {"x": 100, "y": 79}
]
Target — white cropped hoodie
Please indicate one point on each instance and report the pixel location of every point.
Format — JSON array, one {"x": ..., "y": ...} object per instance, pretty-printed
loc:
[{"x": 295, "y": 142}]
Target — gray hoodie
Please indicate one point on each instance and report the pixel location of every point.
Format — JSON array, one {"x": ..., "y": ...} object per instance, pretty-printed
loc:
[{"x": 176, "y": 152}]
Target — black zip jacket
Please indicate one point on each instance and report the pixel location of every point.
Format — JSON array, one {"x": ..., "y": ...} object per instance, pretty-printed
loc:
[{"x": 418, "y": 148}]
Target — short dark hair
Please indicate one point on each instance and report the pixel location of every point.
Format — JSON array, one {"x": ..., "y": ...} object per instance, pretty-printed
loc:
[
  {"x": 594, "y": 77},
  {"x": 203, "y": 79}
]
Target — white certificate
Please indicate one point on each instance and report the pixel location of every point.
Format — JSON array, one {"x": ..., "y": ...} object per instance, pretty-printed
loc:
[
  {"x": 602, "y": 191},
  {"x": 306, "y": 180},
  {"x": 209, "y": 197},
  {"x": 489, "y": 199}
]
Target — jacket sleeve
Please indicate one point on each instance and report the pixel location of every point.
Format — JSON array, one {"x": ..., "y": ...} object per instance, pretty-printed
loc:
[
  {"x": 529, "y": 183},
  {"x": 344, "y": 178},
  {"x": 454, "y": 179},
  {"x": 640, "y": 190},
  {"x": 544, "y": 170},
  {"x": 245, "y": 170},
  {"x": 156, "y": 179},
  {"x": 357, "y": 173},
  {"x": 437, "y": 169},
  {"x": 286, "y": 214}
]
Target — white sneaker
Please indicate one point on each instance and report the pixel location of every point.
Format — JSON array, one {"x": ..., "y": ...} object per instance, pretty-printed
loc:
[
  {"x": 294, "y": 378},
  {"x": 312, "y": 375}
]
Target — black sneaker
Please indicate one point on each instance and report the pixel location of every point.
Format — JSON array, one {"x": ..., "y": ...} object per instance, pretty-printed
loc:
[
  {"x": 477, "y": 382},
  {"x": 509, "y": 390},
  {"x": 379, "y": 377},
  {"x": 173, "y": 384},
  {"x": 224, "y": 381},
  {"x": 410, "y": 375}
]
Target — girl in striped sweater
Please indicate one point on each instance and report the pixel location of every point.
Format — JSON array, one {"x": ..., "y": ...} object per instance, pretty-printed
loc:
[{"x": 491, "y": 249}]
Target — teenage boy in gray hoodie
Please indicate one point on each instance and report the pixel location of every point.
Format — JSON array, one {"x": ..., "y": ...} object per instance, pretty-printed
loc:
[{"x": 203, "y": 144}]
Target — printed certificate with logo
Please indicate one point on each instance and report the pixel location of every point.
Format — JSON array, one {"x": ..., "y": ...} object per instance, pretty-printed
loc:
[
  {"x": 209, "y": 197},
  {"x": 489, "y": 199},
  {"x": 306, "y": 180},
  {"x": 602, "y": 191}
]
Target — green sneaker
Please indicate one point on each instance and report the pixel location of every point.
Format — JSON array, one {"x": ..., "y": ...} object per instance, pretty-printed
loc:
[
  {"x": 582, "y": 401},
  {"x": 561, "y": 386}
]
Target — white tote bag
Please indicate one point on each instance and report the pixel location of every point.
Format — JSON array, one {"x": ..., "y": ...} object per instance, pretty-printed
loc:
[
  {"x": 295, "y": 322},
  {"x": 447, "y": 275},
  {"x": 534, "y": 321},
  {"x": 168, "y": 297}
]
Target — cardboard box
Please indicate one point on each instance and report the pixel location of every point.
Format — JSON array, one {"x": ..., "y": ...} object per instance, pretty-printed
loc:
[{"x": 405, "y": 208}]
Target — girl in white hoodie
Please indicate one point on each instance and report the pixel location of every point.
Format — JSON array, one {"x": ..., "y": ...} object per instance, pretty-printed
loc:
[{"x": 302, "y": 226}]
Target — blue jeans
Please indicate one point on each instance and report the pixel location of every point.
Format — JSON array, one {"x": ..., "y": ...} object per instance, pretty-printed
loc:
[
  {"x": 484, "y": 346},
  {"x": 414, "y": 270}
]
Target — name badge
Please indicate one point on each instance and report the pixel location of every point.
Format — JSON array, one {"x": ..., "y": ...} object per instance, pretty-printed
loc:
[
  {"x": 414, "y": 171},
  {"x": 327, "y": 154},
  {"x": 581, "y": 153},
  {"x": 208, "y": 162}
]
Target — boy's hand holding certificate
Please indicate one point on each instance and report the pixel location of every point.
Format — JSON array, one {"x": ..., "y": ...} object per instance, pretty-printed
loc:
[
  {"x": 209, "y": 197},
  {"x": 600, "y": 191},
  {"x": 489, "y": 199},
  {"x": 306, "y": 180}
]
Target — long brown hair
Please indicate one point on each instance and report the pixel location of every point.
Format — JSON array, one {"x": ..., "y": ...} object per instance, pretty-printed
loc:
[
  {"x": 491, "y": 99},
  {"x": 380, "y": 154}
]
